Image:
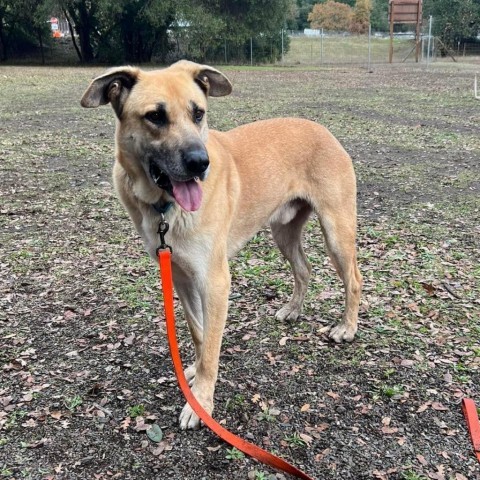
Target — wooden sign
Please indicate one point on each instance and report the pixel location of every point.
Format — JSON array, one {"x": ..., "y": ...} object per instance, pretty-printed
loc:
[{"x": 405, "y": 11}]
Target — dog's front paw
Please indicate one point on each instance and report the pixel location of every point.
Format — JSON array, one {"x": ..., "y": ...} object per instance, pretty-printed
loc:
[
  {"x": 188, "y": 418},
  {"x": 343, "y": 333}
]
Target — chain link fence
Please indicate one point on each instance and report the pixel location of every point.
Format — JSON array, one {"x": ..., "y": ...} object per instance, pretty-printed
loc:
[
  {"x": 320, "y": 47},
  {"x": 259, "y": 49},
  {"x": 324, "y": 47}
]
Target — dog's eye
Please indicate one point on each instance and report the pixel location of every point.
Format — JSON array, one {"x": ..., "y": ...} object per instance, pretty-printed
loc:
[
  {"x": 158, "y": 117},
  {"x": 198, "y": 115}
]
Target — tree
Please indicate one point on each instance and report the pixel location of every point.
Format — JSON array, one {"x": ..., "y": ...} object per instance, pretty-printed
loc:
[
  {"x": 143, "y": 28},
  {"x": 22, "y": 27},
  {"x": 379, "y": 15},
  {"x": 331, "y": 16},
  {"x": 82, "y": 16},
  {"x": 7, "y": 22},
  {"x": 454, "y": 20},
  {"x": 261, "y": 20},
  {"x": 138, "y": 31},
  {"x": 201, "y": 32},
  {"x": 361, "y": 16}
]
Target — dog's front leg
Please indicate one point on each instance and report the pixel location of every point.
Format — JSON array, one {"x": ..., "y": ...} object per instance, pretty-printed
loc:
[{"x": 210, "y": 294}]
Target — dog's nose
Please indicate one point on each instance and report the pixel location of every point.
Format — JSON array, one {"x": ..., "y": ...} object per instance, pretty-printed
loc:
[{"x": 196, "y": 161}]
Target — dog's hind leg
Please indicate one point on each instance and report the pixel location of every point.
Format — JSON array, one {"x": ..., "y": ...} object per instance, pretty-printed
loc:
[
  {"x": 287, "y": 233},
  {"x": 339, "y": 229}
]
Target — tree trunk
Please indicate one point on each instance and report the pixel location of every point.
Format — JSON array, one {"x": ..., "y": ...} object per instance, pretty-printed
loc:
[
  {"x": 72, "y": 33},
  {"x": 40, "y": 40},
  {"x": 84, "y": 27},
  {"x": 3, "y": 42},
  {"x": 85, "y": 45},
  {"x": 162, "y": 41}
]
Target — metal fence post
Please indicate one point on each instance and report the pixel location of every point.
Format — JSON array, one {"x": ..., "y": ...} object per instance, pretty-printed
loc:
[
  {"x": 321, "y": 45},
  {"x": 283, "y": 58},
  {"x": 369, "y": 47},
  {"x": 251, "y": 50},
  {"x": 429, "y": 39}
]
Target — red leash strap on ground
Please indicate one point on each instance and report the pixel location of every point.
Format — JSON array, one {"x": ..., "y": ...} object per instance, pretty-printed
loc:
[
  {"x": 164, "y": 259},
  {"x": 471, "y": 415}
]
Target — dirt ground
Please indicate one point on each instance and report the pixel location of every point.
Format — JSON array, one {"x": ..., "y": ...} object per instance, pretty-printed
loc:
[{"x": 84, "y": 364}]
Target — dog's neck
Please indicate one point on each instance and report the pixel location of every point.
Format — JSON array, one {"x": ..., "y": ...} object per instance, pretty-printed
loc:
[{"x": 162, "y": 207}]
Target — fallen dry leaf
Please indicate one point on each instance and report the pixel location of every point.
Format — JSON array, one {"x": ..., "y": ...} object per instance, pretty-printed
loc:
[
  {"x": 389, "y": 430},
  {"x": 214, "y": 449},
  {"x": 306, "y": 438}
]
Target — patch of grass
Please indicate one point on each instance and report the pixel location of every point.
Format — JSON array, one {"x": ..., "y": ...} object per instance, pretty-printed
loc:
[
  {"x": 234, "y": 454},
  {"x": 392, "y": 391},
  {"x": 73, "y": 402},
  {"x": 266, "y": 416},
  {"x": 295, "y": 441},
  {"x": 411, "y": 475},
  {"x": 235, "y": 403},
  {"x": 389, "y": 372},
  {"x": 260, "y": 475},
  {"x": 136, "y": 411},
  {"x": 6, "y": 472},
  {"x": 14, "y": 418}
]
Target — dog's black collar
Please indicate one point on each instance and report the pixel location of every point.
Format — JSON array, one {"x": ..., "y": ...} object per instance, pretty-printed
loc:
[{"x": 162, "y": 207}]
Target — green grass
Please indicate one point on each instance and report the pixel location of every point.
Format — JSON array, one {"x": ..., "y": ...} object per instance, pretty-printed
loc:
[
  {"x": 295, "y": 441},
  {"x": 73, "y": 402},
  {"x": 411, "y": 475},
  {"x": 234, "y": 454},
  {"x": 136, "y": 411}
]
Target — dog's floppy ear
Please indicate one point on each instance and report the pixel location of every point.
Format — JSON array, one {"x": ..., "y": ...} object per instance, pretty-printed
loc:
[
  {"x": 112, "y": 87},
  {"x": 209, "y": 79}
]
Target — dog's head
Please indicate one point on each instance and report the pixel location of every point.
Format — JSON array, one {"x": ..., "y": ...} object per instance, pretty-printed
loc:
[{"x": 162, "y": 124}]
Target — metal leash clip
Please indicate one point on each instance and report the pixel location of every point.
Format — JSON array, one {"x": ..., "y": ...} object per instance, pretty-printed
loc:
[{"x": 163, "y": 228}]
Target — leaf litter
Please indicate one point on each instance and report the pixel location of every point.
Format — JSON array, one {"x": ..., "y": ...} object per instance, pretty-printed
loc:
[{"x": 81, "y": 335}]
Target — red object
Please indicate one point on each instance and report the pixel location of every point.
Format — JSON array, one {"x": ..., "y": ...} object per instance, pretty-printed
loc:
[
  {"x": 471, "y": 415},
  {"x": 164, "y": 260},
  {"x": 53, "y": 20}
]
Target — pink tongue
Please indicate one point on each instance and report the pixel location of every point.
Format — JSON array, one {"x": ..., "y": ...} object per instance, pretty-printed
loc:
[{"x": 187, "y": 194}]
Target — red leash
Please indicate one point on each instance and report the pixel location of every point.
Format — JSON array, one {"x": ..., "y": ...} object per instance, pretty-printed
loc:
[
  {"x": 164, "y": 260},
  {"x": 471, "y": 416}
]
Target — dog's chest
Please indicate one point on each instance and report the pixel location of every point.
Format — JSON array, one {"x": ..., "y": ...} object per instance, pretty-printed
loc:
[{"x": 191, "y": 249}]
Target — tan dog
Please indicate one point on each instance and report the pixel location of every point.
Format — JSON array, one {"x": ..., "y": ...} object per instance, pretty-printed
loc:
[{"x": 218, "y": 189}]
